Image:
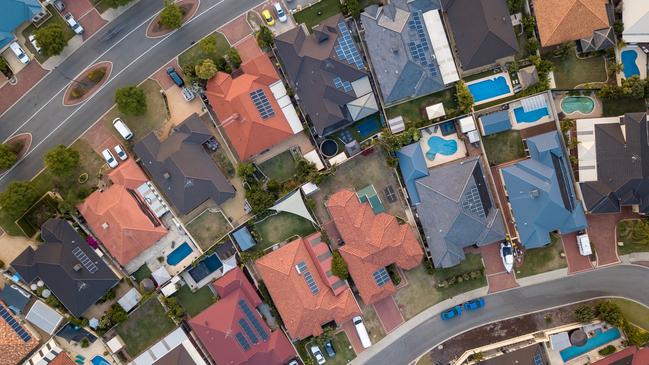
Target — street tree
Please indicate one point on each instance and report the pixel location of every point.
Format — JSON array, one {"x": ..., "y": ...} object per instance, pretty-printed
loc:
[
  {"x": 265, "y": 38},
  {"x": 131, "y": 100},
  {"x": 17, "y": 198},
  {"x": 62, "y": 161},
  {"x": 51, "y": 39},
  {"x": 171, "y": 16},
  {"x": 233, "y": 57},
  {"x": 7, "y": 157},
  {"x": 206, "y": 69}
]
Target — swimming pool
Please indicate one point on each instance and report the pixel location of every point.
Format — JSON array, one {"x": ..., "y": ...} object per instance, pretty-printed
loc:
[
  {"x": 440, "y": 145},
  {"x": 368, "y": 127},
  {"x": 629, "y": 58},
  {"x": 179, "y": 254},
  {"x": 530, "y": 117},
  {"x": 98, "y": 360},
  {"x": 600, "y": 338},
  {"x": 489, "y": 88},
  {"x": 581, "y": 104}
]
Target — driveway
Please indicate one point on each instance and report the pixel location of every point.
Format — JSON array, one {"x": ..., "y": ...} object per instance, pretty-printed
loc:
[
  {"x": 388, "y": 313},
  {"x": 26, "y": 78},
  {"x": 576, "y": 262},
  {"x": 602, "y": 231},
  {"x": 497, "y": 277}
]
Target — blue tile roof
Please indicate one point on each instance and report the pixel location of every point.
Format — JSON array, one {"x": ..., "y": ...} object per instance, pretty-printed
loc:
[
  {"x": 495, "y": 122},
  {"x": 542, "y": 194},
  {"x": 244, "y": 239},
  {"x": 14, "y": 13},
  {"x": 412, "y": 166}
]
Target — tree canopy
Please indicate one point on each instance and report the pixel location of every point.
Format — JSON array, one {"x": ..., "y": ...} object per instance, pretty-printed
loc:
[
  {"x": 206, "y": 69},
  {"x": 51, "y": 38},
  {"x": 265, "y": 38},
  {"x": 62, "y": 161},
  {"x": 171, "y": 16},
  {"x": 17, "y": 198},
  {"x": 233, "y": 57},
  {"x": 339, "y": 266},
  {"x": 131, "y": 100},
  {"x": 7, "y": 156},
  {"x": 464, "y": 97}
]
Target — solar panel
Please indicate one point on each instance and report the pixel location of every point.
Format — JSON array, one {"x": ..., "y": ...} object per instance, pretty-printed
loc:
[
  {"x": 85, "y": 260},
  {"x": 11, "y": 321},
  {"x": 311, "y": 283},
  {"x": 381, "y": 276},
  {"x": 251, "y": 317},
  {"x": 262, "y": 104},
  {"x": 346, "y": 47},
  {"x": 248, "y": 330},
  {"x": 473, "y": 202},
  {"x": 301, "y": 266},
  {"x": 419, "y": 49},
  {"x": 538, "y": 360},
  {"x": 242, "y": 341}
]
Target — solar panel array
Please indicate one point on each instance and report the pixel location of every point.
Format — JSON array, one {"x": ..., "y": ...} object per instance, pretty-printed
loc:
[
  {"x": 538, "y": 360},
  {"x": 301, "y": 266},
  {"x": 311, "y": 283},
  {"x": 473, "y": 203},
  {"x": 248, "y": 330},
  {"x": 11, "y": 321},
  {"x": 419, "y": 49},
  {"x": 242, "y": 341},
  {"x": 340, "y": 84},
  {"x": 346, "y": 47},
  {"x": 85, "y": 260},
  {"x": 255, "y": 322},
  {"x": 381, "y": 276},
  {"x": 262, "y": 104}
]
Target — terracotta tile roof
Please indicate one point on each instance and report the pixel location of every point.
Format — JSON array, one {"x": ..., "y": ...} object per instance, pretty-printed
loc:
[
  {"x": 628, "y": 356},
  {"x": 560, "y": 21},
  {"x": 248, "y": 133},
  {"x": 13, "y": 347},
  {"x": 62, "y": 359},
  {"x": 118, "y": 219},
  {"x": 303, "y": 312},
  {"x": 218, "y": 325},
  {"x": 372, "y": 241}
]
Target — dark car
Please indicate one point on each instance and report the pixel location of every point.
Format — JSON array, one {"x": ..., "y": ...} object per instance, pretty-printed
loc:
[
  {"x": 175, "y": 77},
  {"x": 474, "y": 304},
  {"x": 329, "y": 348},
  {"x": 452, "y": 313}
]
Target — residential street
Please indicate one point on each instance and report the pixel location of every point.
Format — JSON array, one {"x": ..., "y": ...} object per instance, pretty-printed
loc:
[
  {"x": 427, "y": 330},
  {"x": 134, "y": 57}
]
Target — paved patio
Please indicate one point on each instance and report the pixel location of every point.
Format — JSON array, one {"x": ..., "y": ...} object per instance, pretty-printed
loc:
[
  {"x": 388, "y": 313},
  {"x": 576, "y": 262}
]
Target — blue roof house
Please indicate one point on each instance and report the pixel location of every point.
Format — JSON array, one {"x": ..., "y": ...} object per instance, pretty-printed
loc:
[
  {"x": 495, "y": 122},
  {"x": 14, "y": 13},
  {"x": 412, "y": 166},
  {"x": 542, "y": 194}
]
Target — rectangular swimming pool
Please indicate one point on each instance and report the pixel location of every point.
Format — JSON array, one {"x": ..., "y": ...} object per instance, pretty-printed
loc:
[
  {"x": 489, "y": 88},
  {"x": 600, "y": 338},
  {"x": 529, "y": 117},
  {"x": 179, "y": 254}
]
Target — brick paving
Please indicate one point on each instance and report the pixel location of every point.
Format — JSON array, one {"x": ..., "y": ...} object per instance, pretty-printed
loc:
[
  {"x": 92, "y": 22},
  {"x": 161, "y": 75},
  {"x": 100, "y": 138},
  {"x": 497, "y": 277},
  {"x": 27, "y": 78},
  {"x": 354, "y": 340},
  {"x": 388, "y": 314},
  {"x": 576, "y": 262},
  {"x": 602, "y": 233},
  {"x": 538, "y": 129},
  {"x": 237, "y": 29},
  {"x": 78, "y": 8},
  {"x": 502, "y": 281}
]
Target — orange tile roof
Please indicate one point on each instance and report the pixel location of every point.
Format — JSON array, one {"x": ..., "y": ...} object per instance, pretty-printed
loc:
[
  {"x": 62, "y": 359},
  {"x": 372, "y": 241},
  {"x": 248, "y": 133},
  {"x": 562, "y": 21},
  {"x": 13, "y": 347},
  {"x": 303, "y": 312},
  {"x": 116, "y": 217}
]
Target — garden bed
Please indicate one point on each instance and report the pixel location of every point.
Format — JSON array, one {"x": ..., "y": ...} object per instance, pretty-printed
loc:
[
  {"x": 187, "y": 7},
  {"x": 86, "y": 85}
]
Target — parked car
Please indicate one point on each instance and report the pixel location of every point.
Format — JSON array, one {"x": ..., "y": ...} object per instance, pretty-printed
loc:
[
  {"x": 76, "y": 27},
  {"x": 362, "y": 331},
  {"x": 121, "y": 154},
  {"x": 329, "y": 348},
  {"x": 474, "y": 304},
  {"x": 267, "y": 17},
  {"x": 293, "y": 362},
  {"x": 452, "y": 313},
  {"x": 281, "y": 15},
  {"x": 315, "y": 350},
  {"x": 59, "y": 5},
  {"x": 188, "y": 95},
  {"x": 32, "y": 40},
  {"x": 110, "y": 159},
  {"x": 583, "y": 242},
  {"x": 171, "y": 71},
  {"x": 19, "y": 52},
  {"x": 122, "y": 129}
]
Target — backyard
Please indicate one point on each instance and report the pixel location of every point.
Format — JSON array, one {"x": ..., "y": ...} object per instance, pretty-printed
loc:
[
  {"x": 571, "y": 71},
  {"x": 196, "y": 53},
  {"x": 195, "y": 302},
  {"x": 208, "y": 228},
  {"x": 279, "y": 168},
  {"x": 280, "y": 227},
  {"x": 503, "y": 147},
  {"x": 634, "y": 233},
  {"x": 317, "y": 12},
  {"x": 142, "y": 273},
  {"x": 620, "y": 106},
  {"x": 542, "y": 259},
  {"x": 344, "y": 350},
  {"x": 148, "y": 324},
  {"x": 413, "y": 110},
  {"x": 68, "y": 33}
]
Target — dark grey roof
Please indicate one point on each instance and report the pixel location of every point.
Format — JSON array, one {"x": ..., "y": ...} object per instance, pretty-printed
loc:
[
  {"x": 68, "y": 266},
  {"x": 311, "y": 65},
  {"x": 182, "y": 168},
  {"x": 600, "y": 40},
  {"x": 14, "y": 297},
  {"x": 482, "y": 31},
  {"x": 530, "y": 355},
  {"x": 225, "y": 250},
  {"x": 177, "y": 356},
  {"x": 457, "y": 210},
  {"x": 622, "y": 166}
]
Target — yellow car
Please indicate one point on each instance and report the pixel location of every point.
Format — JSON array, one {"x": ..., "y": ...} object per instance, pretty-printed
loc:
[{"x": 268, "y": 17}]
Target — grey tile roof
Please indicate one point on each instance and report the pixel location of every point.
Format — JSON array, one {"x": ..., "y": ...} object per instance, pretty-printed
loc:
[
  {"x": 181, "y": 167},
  {"x": 600, "y": 40},
  {"x": 14, "y": 297},
  {"x": 57, "y": 262},
  {"x": 482, "y": 31}
]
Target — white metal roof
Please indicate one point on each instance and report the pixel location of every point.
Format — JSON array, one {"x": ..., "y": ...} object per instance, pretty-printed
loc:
[
  {"x": 314, "y": 158},
  {"x": 534, "y": 103},
  {"x": 129, "y": 300},
  {"x": 442, "y": 50},
  {"x": 44, "y": 317},
  {"x": 635, "y": 16},
  {"x": 467, "y": 124},
  {"x": 309, "y": 188},
  {"x": 397, "y": 124},
  {"x": 170, "y": 287},
  {"x": 435, "y": 111},
  {"x": 115, "y": 344},
  {"x": 339, "y": 158},
  {"x": 284, "y": 101}
]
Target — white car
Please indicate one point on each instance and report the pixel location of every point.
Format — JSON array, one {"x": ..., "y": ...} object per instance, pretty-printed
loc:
[
  {"x": 32, "y": 40},
  {"x": 121, "y": 154},
  {"x": 110, "y": 159},
  {"x": 583, "y": 242},
  {"x": 315, "y": 350},
  {"x": 73, "y": 23},
  {"x": 281, "y": 15},
  {"x": 19, "y": 52},
  {"x": 507, "y": 255},
  {"x": 188, "y": 95}
]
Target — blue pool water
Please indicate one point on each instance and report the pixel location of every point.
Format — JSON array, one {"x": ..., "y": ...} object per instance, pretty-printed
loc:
[
  {"x": 440, "y": 145},
  {"x": 629, "y": 62},
  {"x": 179, "y": 254},
  {"x": 98, "y": 360},
  {"x": 488, "y": 89},
  {"x": 600, "y": 338},
  {"x": 368, "y": 127},
  {"x": 204, "y": 268},
  {"x": 531, "y": 116}
]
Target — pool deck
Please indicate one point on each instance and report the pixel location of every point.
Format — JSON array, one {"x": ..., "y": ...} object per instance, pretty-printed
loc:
[
  {"x": 439, "y": 158},
  {"x": 597, "y": 111},
  {"x": 491, "y": 77},
  {"x": 520, "y": 126},
  {"x": 641, "y": 62}
]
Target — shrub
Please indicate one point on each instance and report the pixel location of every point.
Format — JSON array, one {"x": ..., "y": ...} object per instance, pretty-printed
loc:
[
  {"x": 96, "y": 75},
  {"x": 51, "y": 38},
  {"x": 339, "y": 266},
  {"x": 265, "y": 38},
  {"x": 464, "y": 97},
  {"x": 77, "y": 92},
  {"x": 394, "y": 275},
  {"x": 234, "y": 57},
  {"x": 85, "y": 343},
  {"x": 609, "y": 312},
  {"x": 584, "y": 313},
  {"x": 171, "y": 16},
  {"x": 608, "y": 350},
  {"x": 351, "y": 8},
  {"x": 223, "y": 65},
  {"x": 7, "y": 156},
  {"x": 131, "y": 100},
  {"x": 206, "y": 69},
  {"x": 17, "y": 198},
  {"x": 532, "y": 45},
  {"x": 635, "y": 336}
]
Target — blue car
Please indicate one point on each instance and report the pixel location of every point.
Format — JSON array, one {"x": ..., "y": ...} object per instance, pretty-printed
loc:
[
  {"x": 474, "y": 304},
  {"x": 329, "y": 348},
  {"x": 452, "y": 313},
  {"x": 175, "y": 77}
]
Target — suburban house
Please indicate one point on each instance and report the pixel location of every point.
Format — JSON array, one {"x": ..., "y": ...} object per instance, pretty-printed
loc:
[
  {"x": 408, "y": 49},
  {"x": 454, "y": 204},
  {"x": 481, "y": 31},
  {"x": 328, "y": 75},
  {"x": 120, "y": 217},
  {"x": 541, "y": 192},
  {"x": 67, "y": 265},
  {"x": 233, "y": 331},
  {"x": 306, "y": 294},
  {"x": 635, "y": 17},
  {"x": 371, "y": 243},
  {"x": 588, "y": 22},
  {"x": 177, "y": 348},
  {"x": 182, "y": 168},
  {"x": 613, "y": 165},
  {"x": 628, "y": 356},
  {"x": 253, "y": 107},
  {"x": 14, "y": 14},
  {"x": 16, "y": 341}
]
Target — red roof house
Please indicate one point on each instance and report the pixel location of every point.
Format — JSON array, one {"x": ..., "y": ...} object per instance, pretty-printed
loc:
[
  {"x": 232, "y": 330},
  {"x": 372, "y": 242},
  {"x": 628, "y": 356},
  {"x": 304, "y": 298},
  {"x": 118, "y": 218}
]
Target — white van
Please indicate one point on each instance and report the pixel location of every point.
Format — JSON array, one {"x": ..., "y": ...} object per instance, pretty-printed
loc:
[
  {"x": 362, "y": 332},
  {"x": 122, "y": 129},
  {"x": 19, "y": 52},
  {"x": 583, "y": 242}
]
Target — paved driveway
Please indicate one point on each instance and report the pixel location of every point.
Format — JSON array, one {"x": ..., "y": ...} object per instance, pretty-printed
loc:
[
  {"x": 26, "y": 79},
  {"x": 602, "y": 233},
  {"x": 497, "y": 277},
  {"x": 576, "y": 262},
  {"x": 388, "y": 313}
]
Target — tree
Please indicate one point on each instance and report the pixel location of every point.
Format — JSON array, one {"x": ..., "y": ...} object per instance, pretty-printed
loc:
[
  {"x": 609, "y": 312},
  {"x": 528, "y": 24},
  {"x": 7, "y": 156},
  {"x": 206, "y": 69},
  {"x": 208, "y": 44},
  {"x": 115, "y": 3},
  {"x": 633, "y": 87},
  {"x": 532, "y": 45},
  {"x": 260, "y": 200},
  {"x": 17, "y": 198},
  {"x": 339, "y": 266},
  {"x": 131, "y": 100},
  {"x": 51, "y": 39},
  {"x": 464, "y": 97},
  {"x": 233, "y": 56},
  {"x": 584, "y": 313},
  {"x": 62, "y": 161},
  {"x": 175, "y": 310},
  {"x": 246, "y": 171},
  {"x": 265, "y": 38},
  {"x": 223, "y": 65},
  {"x": 171, "y": 16},
  {"x": 351, "y": 8},
  {"x": 515, "y": 6}
]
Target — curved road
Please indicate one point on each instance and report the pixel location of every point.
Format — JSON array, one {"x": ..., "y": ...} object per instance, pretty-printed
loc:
[
  {"x": 134, "y": 57},
  {"x": 406, "y": 344}
]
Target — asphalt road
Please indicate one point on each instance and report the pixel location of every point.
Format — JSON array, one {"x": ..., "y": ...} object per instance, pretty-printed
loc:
[
  {"x": 406, "y": 343},
  {"x": 134, "y": 56}
]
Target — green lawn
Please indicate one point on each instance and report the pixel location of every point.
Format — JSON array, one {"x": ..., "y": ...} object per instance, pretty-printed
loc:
[
  {"x": 571, "y": 71},
  {"x": 142, "y": 273},
  {"x": 208, "y": 228},
  {"x": 617, "y": 107},
  {"x": 543, "y": 259},
  {"x": 195, "y": 54},
  {"x": 68, "y": 33},
  {"x": 503, "y": 147},
  {"x": 279, "y": 227},
  {"x": 413, "y": 110},
  {"x": 344, "y": 350},
  {"x": 195, "y": 302},
  {"x": 317, "y": 12},
  {"x": 145, "y": 326},
  {"x": 279, "y": 168},
  {"x": 636, "y": 313},
  {"x": 634, "y": 234}
]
